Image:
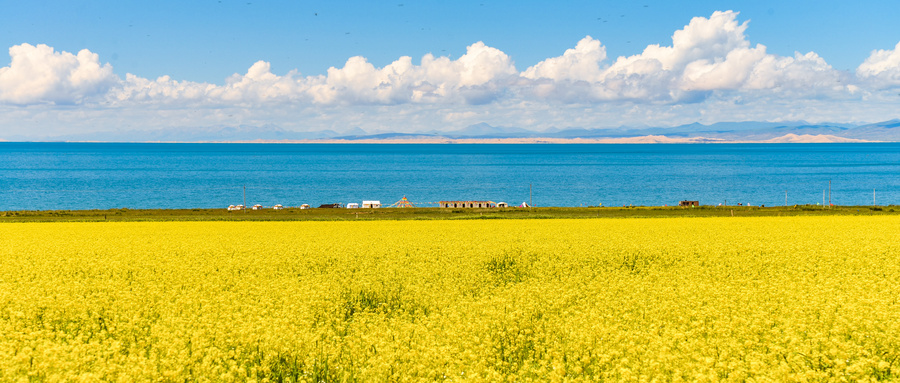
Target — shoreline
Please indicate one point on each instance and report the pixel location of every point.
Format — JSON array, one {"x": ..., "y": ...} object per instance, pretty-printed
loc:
[
  {"x": 435, "y": 213},
  {"x": 648, "y": 139}
]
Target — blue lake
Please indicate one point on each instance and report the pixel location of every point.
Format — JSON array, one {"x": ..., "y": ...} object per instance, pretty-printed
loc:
[{"x": 43, "y": 176}]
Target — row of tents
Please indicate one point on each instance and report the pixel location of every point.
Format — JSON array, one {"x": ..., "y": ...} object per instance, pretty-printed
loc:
[
  {"x": 403, "y": 202},
  {"x": 254, "y": 207},
  {"x": 372, "y": 204}
]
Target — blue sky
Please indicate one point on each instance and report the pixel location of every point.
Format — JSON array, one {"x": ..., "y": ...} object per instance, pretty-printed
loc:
[{"x": 252, "y": 62}]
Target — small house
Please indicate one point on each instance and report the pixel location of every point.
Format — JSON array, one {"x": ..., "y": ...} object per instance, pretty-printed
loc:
[
  {"x": 330, "y": 206},
  {"x": 353, "y": 205},
  {"x": 502, "y": 204},
  {"x": 689, "y": 203},
  {"x": 371, "y": 204},
  {"x": 235, "y": 207},
  {"x": 304, "y": 206},
  {"x": 277, "y": 207},
  {"x": 257, "y": 207}
]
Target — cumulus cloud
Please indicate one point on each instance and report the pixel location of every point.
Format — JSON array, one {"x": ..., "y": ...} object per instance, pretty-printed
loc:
[
  {"x": 477, "y": 77},
  {"x": 581, "y": 63},
  {"x": 161, "y": 90},
  {"x": 882, "y": 67},
  {"x": 470, "y": 78},
  {"x": 258, "y": 85},
  {"x": 707, "y": 55},
  {"x": 38, "y": 74},
  {"x": 701, "y": 39},
  {"x": 710, "y": 55}
]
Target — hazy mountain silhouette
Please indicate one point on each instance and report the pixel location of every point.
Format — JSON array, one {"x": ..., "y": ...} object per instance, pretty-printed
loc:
[{"x": 722, "y": 131}]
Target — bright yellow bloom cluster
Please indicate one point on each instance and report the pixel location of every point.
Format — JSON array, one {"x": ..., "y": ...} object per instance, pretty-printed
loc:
[{"x": 673, "y": 299}]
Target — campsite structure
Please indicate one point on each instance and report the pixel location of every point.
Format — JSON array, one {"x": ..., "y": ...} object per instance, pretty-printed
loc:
[
  {"x": 469, "y": 204},
  {"x": 403, "y": 202}
]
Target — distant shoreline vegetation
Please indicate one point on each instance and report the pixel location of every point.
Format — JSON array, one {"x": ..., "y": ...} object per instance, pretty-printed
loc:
[{"x": 322, "y": 214}]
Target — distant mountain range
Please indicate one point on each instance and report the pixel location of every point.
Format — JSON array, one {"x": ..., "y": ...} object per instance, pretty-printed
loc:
[
  {"x": 798, "y": 131},
  {"x": 718, "y": 132}
]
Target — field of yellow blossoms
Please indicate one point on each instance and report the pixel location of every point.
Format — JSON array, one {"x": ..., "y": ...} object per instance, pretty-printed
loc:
[{"x": 671, "y": 299}]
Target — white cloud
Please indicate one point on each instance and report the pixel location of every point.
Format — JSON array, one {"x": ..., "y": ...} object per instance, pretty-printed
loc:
[
  {"x": 701, "y": 39},
  {"x": 707, "y": 55},
  {"x": 360, "y": 82},
  {"x": 481, "y": 64},
  {"x": 882, "y": 67},
  {"x": 807, "y": 72},
  {"x": 38, "y": 74},
  {"x": 580, "y": 63},
  {"x": 710, "y": 71},
  {"x": 162, "y": 90},
  {"x": 697, "y": 60},
  {"x": 477, "y": 77},
  {"x": 730, "y": 72},
  {"x": 437, "y": 79},
  {"x": 258, "y": 85}
]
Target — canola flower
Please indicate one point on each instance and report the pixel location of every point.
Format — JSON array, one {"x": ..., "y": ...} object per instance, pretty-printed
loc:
[{"x": 676, "y": 299}]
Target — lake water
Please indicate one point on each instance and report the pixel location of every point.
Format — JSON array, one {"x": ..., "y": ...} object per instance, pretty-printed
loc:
[{"x": 43, "y": 176}]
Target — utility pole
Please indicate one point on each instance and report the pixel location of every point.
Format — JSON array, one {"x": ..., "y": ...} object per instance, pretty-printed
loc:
[{"x": 829, "y": 194}]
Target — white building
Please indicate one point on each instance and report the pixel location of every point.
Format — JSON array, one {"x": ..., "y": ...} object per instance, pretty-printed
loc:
[
  {"x": 277, "y": 207},
  {"x": 257, "y": 207},
  {"x": 235, "y": 207},
  {"x": 371, "y": 204},
  {"x": 353, "y": 205},
  {"x": 304, "y": 206}
]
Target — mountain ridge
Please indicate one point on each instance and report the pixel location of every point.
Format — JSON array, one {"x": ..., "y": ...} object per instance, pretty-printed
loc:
[{"x": 745, "y": 131}]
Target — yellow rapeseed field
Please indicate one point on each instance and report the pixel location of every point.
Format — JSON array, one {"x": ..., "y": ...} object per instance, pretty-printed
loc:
[{"x": 673, "y": 299}]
